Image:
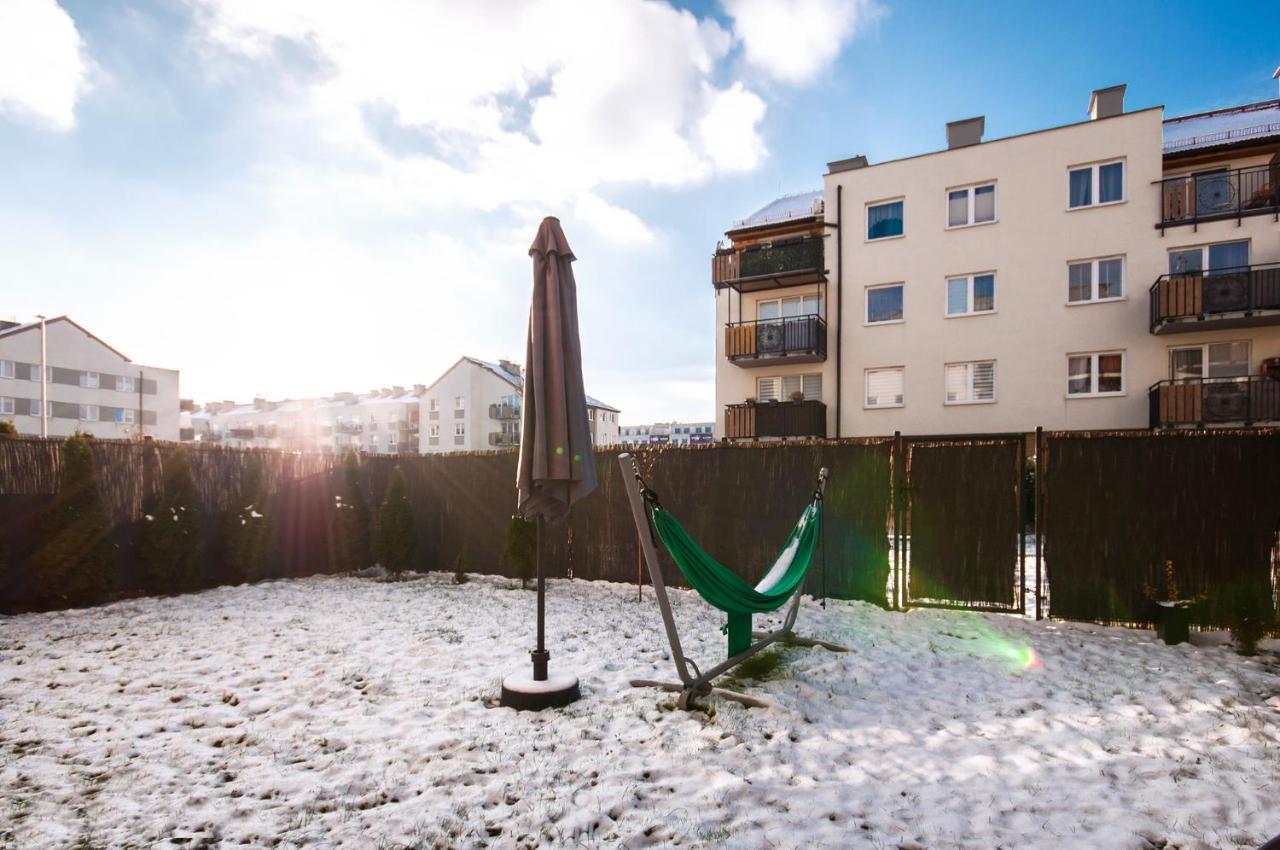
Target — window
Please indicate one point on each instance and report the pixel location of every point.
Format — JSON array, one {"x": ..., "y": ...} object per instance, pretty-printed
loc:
[
  {"x": 124, "y": 384},
  {"x": 969, "y": 296},
  {"x": 90, "y": 380},
  {"x": 125, "y": 416},
  {"x": 459, "y": 429},
  {"x": 1094, "y": 185},
  {"x": 433, "y": 405},
  {"x": 1214, "y": 258},
  {"x": 34, "y": 373},
  {"x": 1095, "y": 374},
  {"x": 787, "y": 308},
  {"x": 971, "y": 383},
  {"x": 460, "y": 402},
  {"x": 7, "y": 405},
  {"x": 1095, "y": 280},
  {"x": 884, "y": 387},
  {"x": 1216, "y": 360},
  {"x": 88, "y": 413},
  {"x": 591, "y": 414},
  {"x": 884, "y": 220},
  {"x": 433, "y": 430},
  {"x": 884, "y": 303},
  {"x": 784, "y": 387},
  {"x": 973, "y": 205},
  {"x": 7, "y": 368}
]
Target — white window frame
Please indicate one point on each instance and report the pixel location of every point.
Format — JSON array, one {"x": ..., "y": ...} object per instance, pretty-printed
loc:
[
  {"x": 1094, "y": 280},
  {"x": 433, "y": 405},
  {"x": 7, "y": 405},
  {"x": 1204, "y": 357},
  {"x": 127, "y": 416},
  {"x": 1094, "y": 374},
  {"x": 781, "y": 311},
  {"x": 125, "y": 384},
  {"x": 866, "y": 387},
  {"x": 971, "y": 190},
  {"x": 34, "y": 374},
  {"x": 86, "y": 409},
  {"x": 969, "y": 390},
  {"x": 783, "y": 393},
  {"x": 866, "y": 219},
  {"x": 8, "y": 368},
  {"x": 460, "y": 429},
  {"x": 969, "y": 311},
  {"x": 866, "y": 305},
  {"x": 1203, "y": 249},
  {"x": 90, "y": 380},
  {"x": 459, "y": 402},
  {"x": 433, "y": 431},
  {"x": 1095, "y": 195}
]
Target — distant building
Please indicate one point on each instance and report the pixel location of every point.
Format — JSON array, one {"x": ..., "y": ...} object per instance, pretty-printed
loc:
[
  {"x": 476, "y": 406},
  {"x": 379, "y": 422},
  {"x": 669, "y": 433},
  {"x": 90, "y": 386}
]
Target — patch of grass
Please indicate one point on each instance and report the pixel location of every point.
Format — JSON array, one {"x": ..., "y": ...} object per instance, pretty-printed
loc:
[{"x": 765, "y": 666}]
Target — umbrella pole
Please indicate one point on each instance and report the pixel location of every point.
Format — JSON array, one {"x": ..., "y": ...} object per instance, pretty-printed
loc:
[{"x": 540, "y": 655}]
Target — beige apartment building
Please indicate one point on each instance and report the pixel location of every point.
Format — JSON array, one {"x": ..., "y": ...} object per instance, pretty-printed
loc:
[{"x": 1118, "y": 272}]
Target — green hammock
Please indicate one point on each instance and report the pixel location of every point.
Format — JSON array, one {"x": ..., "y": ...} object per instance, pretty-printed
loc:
[{"x": 721, "y": 587}]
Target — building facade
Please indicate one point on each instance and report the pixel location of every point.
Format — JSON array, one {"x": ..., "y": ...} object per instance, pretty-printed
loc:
[
  {"x": 383, "y": 421},
  {"x": 1120, "y": 272},
  {"x": 668, "y": 433},
  {"x": 90, "y": 387}
]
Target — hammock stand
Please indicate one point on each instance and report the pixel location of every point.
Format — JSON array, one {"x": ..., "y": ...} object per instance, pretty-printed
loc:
[{"x": 698, "y": 684}]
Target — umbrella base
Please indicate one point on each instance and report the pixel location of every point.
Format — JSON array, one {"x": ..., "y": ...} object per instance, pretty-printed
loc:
[{"x": 523, "y": 693}]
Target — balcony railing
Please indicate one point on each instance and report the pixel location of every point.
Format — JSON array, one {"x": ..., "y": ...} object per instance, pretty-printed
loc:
[
  {"x": 1235, "y": 297},
  {"x": 786, "y": 264},
  {"x": 754, "y": 420},
  {"x": 1210, "y": 401},
  {"x": 504, "y": 411},
  {"x": 501, "y": 438},
  {"x": 349, "y": 428},
  {"x": 798, "y": 339},
  {"x": 1224, "y": 194}
]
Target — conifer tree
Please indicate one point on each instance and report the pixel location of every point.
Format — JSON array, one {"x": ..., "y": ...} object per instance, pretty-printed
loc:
[
  {"x": 171, "y": 547},
  {"x": 74, "y": 561},
  {"x": 353, "y": 533},
  {"x": 521, "y": 548},
  {"x": 396, "y": 536},
  {"x": 249, "y": 531},
  {"x": 7, "y": 429}
]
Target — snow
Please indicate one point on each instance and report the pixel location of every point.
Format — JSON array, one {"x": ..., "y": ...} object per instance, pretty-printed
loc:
[
  {"x": 349, "y": 712},
  {"x": 524, "y": 683}
]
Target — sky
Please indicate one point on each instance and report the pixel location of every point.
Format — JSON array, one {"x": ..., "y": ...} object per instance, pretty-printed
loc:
[{"x": 291, "y": 198}]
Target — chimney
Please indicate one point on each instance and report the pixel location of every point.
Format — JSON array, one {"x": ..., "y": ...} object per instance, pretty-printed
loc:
[
  {"x": 962, "y": 134},
  {"x": 1106, "y": 103},
  {"x": 850, "y": 164},
  {"x": 259, "y": 402},
  {"x": 419, "y": 389},
  {"x": 513, "y": 368},
  {"x": 397, "y": 389}
]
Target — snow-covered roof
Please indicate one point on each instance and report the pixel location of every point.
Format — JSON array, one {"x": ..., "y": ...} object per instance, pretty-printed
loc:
[
  {"x": 786, "y": 208},
  {"x": 1253, "y": 121},
  {"x": 595, "y": 402}
]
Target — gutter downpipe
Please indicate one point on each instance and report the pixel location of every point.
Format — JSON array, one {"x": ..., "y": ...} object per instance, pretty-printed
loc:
[{"x": 839, "y": 298}]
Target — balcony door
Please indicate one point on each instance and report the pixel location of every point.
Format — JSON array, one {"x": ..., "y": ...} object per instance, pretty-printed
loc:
[
  {"x": 1214, "y": 361},
  {"x": 789, "y": 308},
  {"x": 1209, "y": 258}
]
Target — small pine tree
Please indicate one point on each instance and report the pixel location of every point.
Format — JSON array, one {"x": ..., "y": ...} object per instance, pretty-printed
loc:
[
  {"x": 7, "y": 428},
  {"x": 171, "y": 548},
  {"x": 521, "y": 548},
  {"x": 1250, "y": 614},
  {"x": 396, "y": 536},
  {"x": 73, "y": 564},
  {"x": 249, "y": 532},
  {"x": 353, "y": 538},
  {"x": 460, "y": 568}
]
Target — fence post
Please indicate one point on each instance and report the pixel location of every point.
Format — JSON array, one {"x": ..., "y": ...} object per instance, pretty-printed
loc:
[
  {"x": 1038, "y": 500},
  {"x": 1022, "y": 526},
  {"x": 899, "y": 560}
]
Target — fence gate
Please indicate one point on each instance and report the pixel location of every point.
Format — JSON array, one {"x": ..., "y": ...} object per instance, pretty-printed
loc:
[{"x": 958, "y": 523}]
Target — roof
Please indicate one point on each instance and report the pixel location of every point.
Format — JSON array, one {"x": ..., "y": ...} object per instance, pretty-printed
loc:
[
  {"x": 786, "y": 208},
  {"x": 515, "y": 380},
  {"x": 17, "y": 329},
  {"x": 595, "y": 402},
  {"x": 1233, "y": 125}
]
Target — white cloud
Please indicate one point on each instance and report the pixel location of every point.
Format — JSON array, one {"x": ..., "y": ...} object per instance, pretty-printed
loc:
[
  {"x": 620, "y": 226},
  {"x": 793, "y": 40},
  {"x": 43, "y": 63},
  {"x": 540, "y": 103}
]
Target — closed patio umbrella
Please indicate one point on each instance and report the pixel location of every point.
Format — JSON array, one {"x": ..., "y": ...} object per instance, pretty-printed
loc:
[{"x": 557, "y": 466}]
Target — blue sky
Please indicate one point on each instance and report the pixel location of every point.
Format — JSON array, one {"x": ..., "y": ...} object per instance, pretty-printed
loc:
[{"x": 297, "y": 197}]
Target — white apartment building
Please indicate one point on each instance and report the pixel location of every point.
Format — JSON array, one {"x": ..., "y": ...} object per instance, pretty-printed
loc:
[
  {"x": 1118, "y": 272},
  {"x": 90, "y": 387},
  {"x": 668, "y": 433},
  {"x": 476, "y": 406},
  {"x": 379, "y": 422}
]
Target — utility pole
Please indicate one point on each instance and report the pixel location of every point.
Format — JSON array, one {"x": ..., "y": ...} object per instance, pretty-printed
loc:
[{"x": 44, "y": 379}]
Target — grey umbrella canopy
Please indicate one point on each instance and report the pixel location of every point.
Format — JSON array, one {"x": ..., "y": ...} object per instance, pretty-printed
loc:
[{"x": 557, "y": 465}]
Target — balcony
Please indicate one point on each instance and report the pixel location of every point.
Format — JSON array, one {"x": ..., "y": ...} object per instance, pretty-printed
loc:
[
  {"x": 1242, "y": 297},
  {"x": 504, "y": 412},
  {"x": 757, "y": 420},
  {"x": 349, "y": 428},
  {"x": 1214, "y": 401},
  {"x": 792, "y": 263},
  {"x": 764, "y": 342},
  {"x": 1220, "y": 195},
  {"x": 500, "y": 439}
]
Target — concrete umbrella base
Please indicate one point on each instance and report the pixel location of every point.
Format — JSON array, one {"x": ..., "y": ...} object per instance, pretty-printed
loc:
[{"x": 523, "y": 693}]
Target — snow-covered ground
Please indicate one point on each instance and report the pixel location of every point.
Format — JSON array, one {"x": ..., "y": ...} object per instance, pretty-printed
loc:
[{"x": 347, "y": 712}]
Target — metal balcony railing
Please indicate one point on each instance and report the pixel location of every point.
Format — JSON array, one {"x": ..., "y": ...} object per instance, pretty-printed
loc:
[
  {"x": 754, "y": 420},
  {"x": 504, "y": 411},
  {"x": 801, "y": 257},
  {"x": 797, "y": 339},
  {"x": 1247, "y": 295},
  {"x": 1223, "y": 194},
  {"x": 1209, "y": 401},
  {"x": 500, "y": 438}
]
